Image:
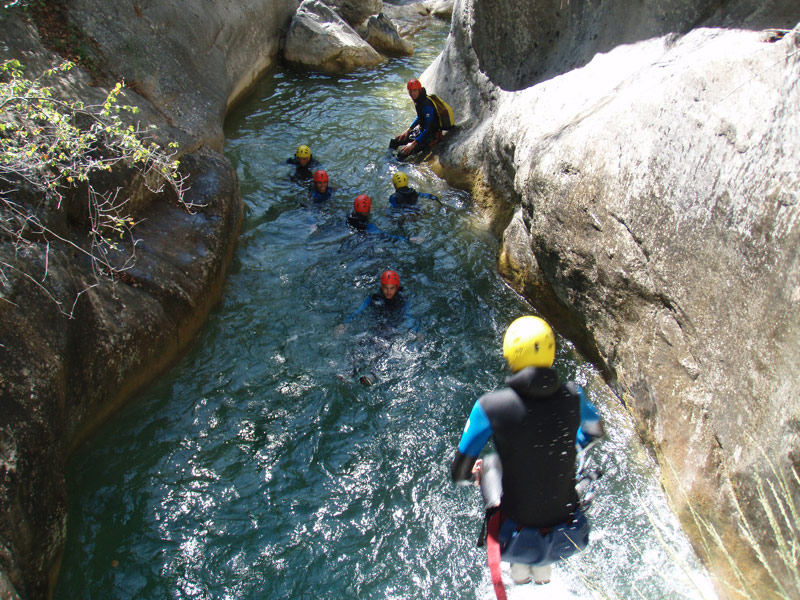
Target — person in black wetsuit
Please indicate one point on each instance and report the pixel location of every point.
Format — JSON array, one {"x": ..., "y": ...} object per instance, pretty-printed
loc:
[
  {"x": 405, "y": 195},
  {"x": 537, "y": 423},
  {"x": 358, "y": 220},
  {"x": 320, "y": 191},
  {"x": 389, "y": 305},
  {"x": 425, "y": 130},
  {"x": 304, "y": 163},
  {"x": 390, "y": 311}
]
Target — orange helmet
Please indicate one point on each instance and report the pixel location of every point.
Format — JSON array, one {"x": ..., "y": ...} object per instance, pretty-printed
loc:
[
  {"x": 390, "y": 278},
  {"x": 362, "y": 204},
  {"x": 320, "y": 175},
  {"x": 414, "y": 84}
]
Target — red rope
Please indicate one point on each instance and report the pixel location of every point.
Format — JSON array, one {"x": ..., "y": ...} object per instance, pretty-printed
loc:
[{"x": 493, "y": 555}]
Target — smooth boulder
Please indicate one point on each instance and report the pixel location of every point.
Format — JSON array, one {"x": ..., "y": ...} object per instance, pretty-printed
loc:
[{"x": 319, "y": 39}]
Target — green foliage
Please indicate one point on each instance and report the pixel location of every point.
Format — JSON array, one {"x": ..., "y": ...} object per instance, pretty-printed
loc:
[{"x": 52, "y": 147}]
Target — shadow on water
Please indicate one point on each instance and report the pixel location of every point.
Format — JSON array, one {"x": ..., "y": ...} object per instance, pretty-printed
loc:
[{"x": 260, "y": 467}]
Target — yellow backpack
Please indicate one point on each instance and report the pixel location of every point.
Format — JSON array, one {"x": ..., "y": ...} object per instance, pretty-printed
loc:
[{"x": 445, "y": 112}]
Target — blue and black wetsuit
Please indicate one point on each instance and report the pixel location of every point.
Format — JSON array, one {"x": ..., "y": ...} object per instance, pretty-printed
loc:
[
  {"x": 360, "y": 222},
  {"x": 427, "y": 121},
  {"x": 303, "y": 173},
  {"x": 317, "y": 196},
  {"x": 535, "y": 422},
  {"x": 407, "y": 196},
  {"x": 391, "y": 313}
]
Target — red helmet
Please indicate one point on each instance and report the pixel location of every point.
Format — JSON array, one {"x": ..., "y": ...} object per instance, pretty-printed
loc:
[
  {"x": 320, "y": 175},
  {"x": 390, "y": 278},
  {"x": 362, "y": 204},
  {"x": 414, "y": 84}
]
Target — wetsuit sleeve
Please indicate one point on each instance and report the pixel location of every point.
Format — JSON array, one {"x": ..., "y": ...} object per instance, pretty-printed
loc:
[
  {"x": 429, "y": 196},
  {"x": 414, "y": 123},
  {"x": 359, "y": 310},
  {"x": 371, "y": 228},
  {"x": 476, "y": 433},
  {"x": 591, "y": 423},
  {"x": 426, "y": 128},
  {"x": 393, "y": 200},
  {"x": 408, "y": 320}
]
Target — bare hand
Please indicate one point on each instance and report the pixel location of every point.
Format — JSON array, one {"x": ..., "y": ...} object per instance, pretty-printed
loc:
[
  {"x": 476, "y": 471},
  {"x": 406, "y": 150}
]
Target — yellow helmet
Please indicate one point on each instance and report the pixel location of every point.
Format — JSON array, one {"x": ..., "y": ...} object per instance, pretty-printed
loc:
[
  {"x": 529, "y": 342},
  {"x": 399, "y": 180},
  {"x": 303, "y": 152}
]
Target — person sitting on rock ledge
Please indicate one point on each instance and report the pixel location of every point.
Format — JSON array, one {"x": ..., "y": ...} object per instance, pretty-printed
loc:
[{"x": 425, "y": 130}]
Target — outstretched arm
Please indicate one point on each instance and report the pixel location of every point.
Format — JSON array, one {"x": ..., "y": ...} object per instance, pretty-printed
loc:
[
  {"x": 358, "y": 311},
  {"x": 477, "y": 432}
]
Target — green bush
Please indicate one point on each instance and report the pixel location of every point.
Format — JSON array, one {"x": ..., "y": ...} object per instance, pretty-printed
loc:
[{"x": 50, "y": 147}]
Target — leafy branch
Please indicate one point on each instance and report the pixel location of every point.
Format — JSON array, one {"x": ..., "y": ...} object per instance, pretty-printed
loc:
[{"x": 53, "y": 150}]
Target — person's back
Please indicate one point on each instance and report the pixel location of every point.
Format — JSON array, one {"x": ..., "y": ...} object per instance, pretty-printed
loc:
[
  {"x": 534, "y": 422},
  {"x": 533, "y": 513}
]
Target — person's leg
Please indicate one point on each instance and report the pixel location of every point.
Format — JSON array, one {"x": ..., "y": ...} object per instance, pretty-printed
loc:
[
  {"x": 541, "y": 575},
  {"x": 520, "y": 573}
]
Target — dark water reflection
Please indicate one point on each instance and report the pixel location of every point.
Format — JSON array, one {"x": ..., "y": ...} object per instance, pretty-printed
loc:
[{"x": 260, "y": 468}]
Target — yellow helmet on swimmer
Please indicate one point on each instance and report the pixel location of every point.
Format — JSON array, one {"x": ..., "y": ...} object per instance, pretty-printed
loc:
[
  {"x": 529, "y": 342},
  {"x": 399, "y": 180},
  {"x": 303, "y": 152}
]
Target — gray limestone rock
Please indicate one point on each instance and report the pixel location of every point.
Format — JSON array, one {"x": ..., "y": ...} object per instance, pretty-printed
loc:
[
  {"x": 407, "y": 18},
  {"x": 320, "y": 39},
  {"x": 380, "y": 33},
  {"x": 355, "y": 12},
  {"x": 651, "y": 157},
  {"x": 183, "y": 64},
  {"x": 442, "y": 9}
]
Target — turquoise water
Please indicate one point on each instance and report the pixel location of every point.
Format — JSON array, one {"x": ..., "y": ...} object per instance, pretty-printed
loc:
[{"x": 259, "y": 467}]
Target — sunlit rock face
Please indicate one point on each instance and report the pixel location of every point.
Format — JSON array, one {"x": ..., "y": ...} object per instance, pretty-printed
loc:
[{"x": 641, "y": 166}]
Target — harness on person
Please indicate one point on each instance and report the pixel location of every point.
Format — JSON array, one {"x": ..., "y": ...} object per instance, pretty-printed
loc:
[
  {"x": 505, "y": 540},
  {"x": 444, "y": 111}
]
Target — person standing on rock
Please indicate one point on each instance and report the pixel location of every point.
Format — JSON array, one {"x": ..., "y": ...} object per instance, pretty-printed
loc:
[
  {"x": 425, "y": 130},
  {"x": 533, "y": 512}
]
